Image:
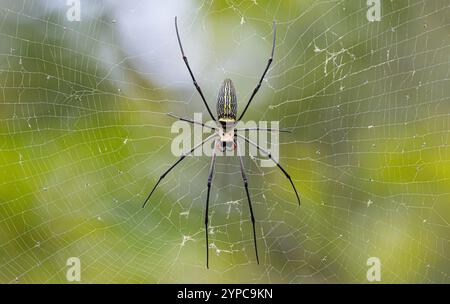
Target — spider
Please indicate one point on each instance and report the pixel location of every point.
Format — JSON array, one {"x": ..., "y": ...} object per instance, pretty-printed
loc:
[{"x": 225, "y": 136}]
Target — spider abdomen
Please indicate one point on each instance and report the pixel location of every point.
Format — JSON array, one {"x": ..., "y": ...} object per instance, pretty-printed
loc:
[{"x": 227, "y": 102}]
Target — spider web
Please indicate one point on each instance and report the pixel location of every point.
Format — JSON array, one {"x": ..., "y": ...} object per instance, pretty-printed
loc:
[{"x": 84, "y": 137}]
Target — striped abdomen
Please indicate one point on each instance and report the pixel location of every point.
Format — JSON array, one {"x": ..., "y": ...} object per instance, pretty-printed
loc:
[{"x": 227, "y": 102}]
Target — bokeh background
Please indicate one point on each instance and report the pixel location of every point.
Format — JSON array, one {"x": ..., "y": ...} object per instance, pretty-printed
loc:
[{"x": 84, "y": 137}]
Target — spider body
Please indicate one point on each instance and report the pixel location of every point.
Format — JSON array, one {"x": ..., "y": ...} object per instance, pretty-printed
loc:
[
  {"x": 226, "y": 114},
  {"x": 225, "y": 135}
]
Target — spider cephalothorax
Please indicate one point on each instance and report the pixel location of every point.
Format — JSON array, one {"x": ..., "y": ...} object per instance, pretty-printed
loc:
[{"x": 225, "y": 134}]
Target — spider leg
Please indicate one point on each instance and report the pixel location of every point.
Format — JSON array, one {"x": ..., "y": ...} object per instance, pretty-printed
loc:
[
  {"x": 210, "y": 176},
  {"x": 269, "y": 61},
  {"x": 270, "y": 156},
  {"x": 190, "y": 71},
  {"x": 191, "y": 121},
  {"x": 173, "y": 166},
  {"x": 244, "y": 178},
  {"x": 264, "y": 129}
]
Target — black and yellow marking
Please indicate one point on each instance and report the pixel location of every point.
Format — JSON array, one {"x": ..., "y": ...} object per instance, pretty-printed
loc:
[{"x": 227, "y": 102}]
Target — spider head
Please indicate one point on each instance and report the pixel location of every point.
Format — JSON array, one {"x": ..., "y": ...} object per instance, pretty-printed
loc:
[{"x": 227, "y": 103}]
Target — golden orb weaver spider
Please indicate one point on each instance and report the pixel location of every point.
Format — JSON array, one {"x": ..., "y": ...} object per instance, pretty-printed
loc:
[{"x": 225, "y": 133}]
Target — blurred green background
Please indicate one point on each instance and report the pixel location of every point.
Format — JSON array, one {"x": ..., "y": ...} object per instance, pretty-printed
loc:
[{"x": 84, "y": 137}]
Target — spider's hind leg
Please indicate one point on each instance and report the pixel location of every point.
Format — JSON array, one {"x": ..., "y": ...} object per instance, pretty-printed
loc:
[
  {"x": 210, "y": 176},
  {"x": 269, "y": 155},
  {"x": 244, "y": 178}
]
